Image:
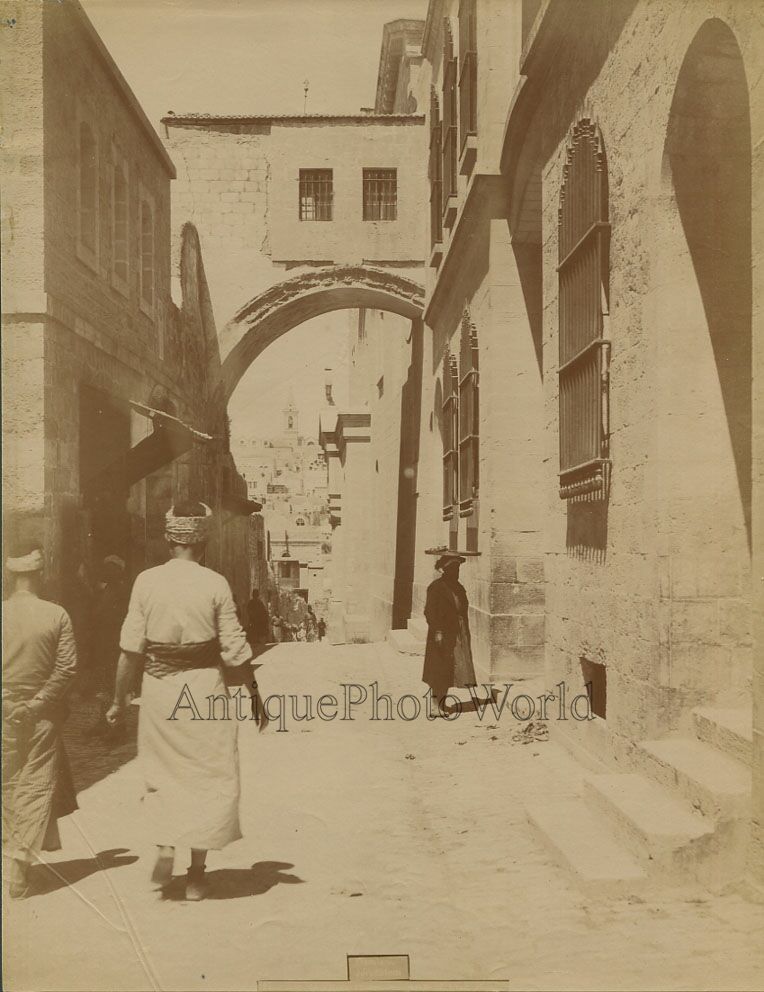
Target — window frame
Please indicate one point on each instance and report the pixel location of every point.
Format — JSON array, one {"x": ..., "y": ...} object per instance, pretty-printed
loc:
[
  {"x": 367, "y": 179},
  {"x": 450, "y": 423},
  {"x": 161, "y": 330},
  {"x": 149, "y": 307},
  {"x": 449, "y": 127},
  {"x": 435, "y": 172},
  {"x": 302, "y": 184},
  {"x": 583, "y": 272},
  {"x": 467, "y": 72},
  {"x": 469, "y": 418},
  {"x": 119, "y": 162},
  {"x": 87, "y": 254}
]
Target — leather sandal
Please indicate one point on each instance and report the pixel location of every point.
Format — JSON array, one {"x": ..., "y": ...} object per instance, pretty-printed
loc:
[{"x": 196, "y": 884}]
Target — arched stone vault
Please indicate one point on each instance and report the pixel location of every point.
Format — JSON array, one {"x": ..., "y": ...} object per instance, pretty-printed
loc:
[{"x": 308, "y": 295}]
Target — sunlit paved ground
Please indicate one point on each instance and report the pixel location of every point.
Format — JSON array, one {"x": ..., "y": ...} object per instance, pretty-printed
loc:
[{"x": 363, "y": 837}]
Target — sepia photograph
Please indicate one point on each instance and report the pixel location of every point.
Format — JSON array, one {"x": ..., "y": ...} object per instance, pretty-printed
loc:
[{"x": 382, "y": 495}]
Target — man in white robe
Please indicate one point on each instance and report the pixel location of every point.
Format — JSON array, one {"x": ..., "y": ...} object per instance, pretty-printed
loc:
[{"x": 181, "y": 625}]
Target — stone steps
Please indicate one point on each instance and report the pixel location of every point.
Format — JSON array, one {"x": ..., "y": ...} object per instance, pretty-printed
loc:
[
  {"x": 583, "y": 843},
  {"x": 713, "y": 782},
  {"x": 680, "y": 813},
  {"x": 729, "y": 730},
  {"x": 656, "y": 827}
]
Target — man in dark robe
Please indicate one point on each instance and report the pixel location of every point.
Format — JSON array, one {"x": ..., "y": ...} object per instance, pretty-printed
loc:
[
  {"x": 108, "y": 616},
  {"x": 448, "y": 652},
  {"x": 39, "y": 664},
  {"x": 257, "y": 621}
]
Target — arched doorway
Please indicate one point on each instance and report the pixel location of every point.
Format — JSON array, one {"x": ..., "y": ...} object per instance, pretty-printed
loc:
[{"x": 704, "y": 346}]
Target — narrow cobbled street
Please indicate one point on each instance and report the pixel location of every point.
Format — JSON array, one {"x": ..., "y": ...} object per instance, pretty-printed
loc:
[{"x": 365, "y": 837}]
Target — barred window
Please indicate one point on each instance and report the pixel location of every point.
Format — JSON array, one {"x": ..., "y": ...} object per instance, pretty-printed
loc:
[
  {"x": 147, "y": 254},
  {"x": 448, "y": 131},
  {"x": 380, "y": 194},
  {"x": 88, "y": 188},
  {"x": 435, "y": 171},
  {"x": 584, "y": 277},
  {"x": 119, "y": 235},
  {"x": 316, "y": 194},
  {"x": 469, "y": 417},
  {"x": 450, "y": 421},
  {"x": 468, "y": 70}
]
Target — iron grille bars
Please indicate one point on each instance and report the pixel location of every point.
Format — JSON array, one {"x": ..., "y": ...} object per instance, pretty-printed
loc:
[
  {"x": 449, "y": 133},
  {"x": 380, "y": 194},
  {"x": 435, "y": 171},
  {"x": 316, "y": 194},
  {"x": 583, "y": 272}
]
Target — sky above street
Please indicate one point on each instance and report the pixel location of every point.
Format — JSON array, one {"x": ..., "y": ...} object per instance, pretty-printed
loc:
[
  {"x": 248, "y": 56},
  {"x": 252, "y": 57}
]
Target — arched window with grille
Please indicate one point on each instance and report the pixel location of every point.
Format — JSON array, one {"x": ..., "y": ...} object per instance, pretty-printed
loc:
[
  {"x": 87, "y": 230},
  {"x": 435, "y": 171},
  {"x": 584, "y": 294},
  {"x": 469, "y": 416},
  {"x": 449, "y": 125},
  {"x": 450, "y": 424}
]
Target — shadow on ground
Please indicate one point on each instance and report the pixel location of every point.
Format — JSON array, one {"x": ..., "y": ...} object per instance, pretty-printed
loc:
[
  {"x": 238, "y": 883},
  {"x": 47, "y": 878},
  {"x": 95, "y": 750},
  {"x": 473, "y": 705}
]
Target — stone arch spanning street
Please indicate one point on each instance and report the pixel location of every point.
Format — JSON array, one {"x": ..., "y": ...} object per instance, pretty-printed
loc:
[
  {"x": 291, "y": 302},
  {"x": 600, "y": 747}
]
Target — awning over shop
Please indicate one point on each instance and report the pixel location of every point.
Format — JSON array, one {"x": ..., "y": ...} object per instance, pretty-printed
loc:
[{"x": 169, "y": 439}]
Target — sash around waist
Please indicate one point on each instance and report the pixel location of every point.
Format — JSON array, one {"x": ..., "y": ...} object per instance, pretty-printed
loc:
[{"x": 166, "y": 659}]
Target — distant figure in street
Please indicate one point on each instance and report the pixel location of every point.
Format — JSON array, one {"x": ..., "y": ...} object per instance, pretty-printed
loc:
[
  {"x": 321, "y": 629},
  {"x": 108, "y": 614},
  {"x": 258, "y": 621},
  {"x": 448, "y": 652},
  {"x": 78, "y": 597},
  {"x": 181, "y": 624},
  {"x": 311, "y": 625},
  {"x": 277, "y": 629},
  {"x": 39, "y": 665}
]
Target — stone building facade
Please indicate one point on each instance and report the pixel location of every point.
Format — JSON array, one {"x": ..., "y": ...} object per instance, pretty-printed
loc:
[
  {"x": 298, "y": 216},
  {"x": 370, "y": 447},
  {"x": 275, "y": 197},
  {"x": 595, "y": 181},
  {"x": 480, "y": 444},
  {"x": 556, "y": 367},
  {"x": 92, "y": 339}
]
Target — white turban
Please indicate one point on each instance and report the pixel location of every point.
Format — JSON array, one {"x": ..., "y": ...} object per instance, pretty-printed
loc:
[
  {"x": 188, "y": 530},
  {"x": 32, "y": 562}
]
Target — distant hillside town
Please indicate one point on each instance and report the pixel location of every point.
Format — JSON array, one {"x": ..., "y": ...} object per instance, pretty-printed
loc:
[{"x": 287, "y": 474}]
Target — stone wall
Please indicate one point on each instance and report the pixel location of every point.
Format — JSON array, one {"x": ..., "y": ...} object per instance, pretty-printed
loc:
[
  {"x": 476, "y": 274},
  {"x": 71, "y": 327},
  {"x": 654, "y": 585},
  {"x": 238, "y": 183},
  {"x": 381, "y": 347}
]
